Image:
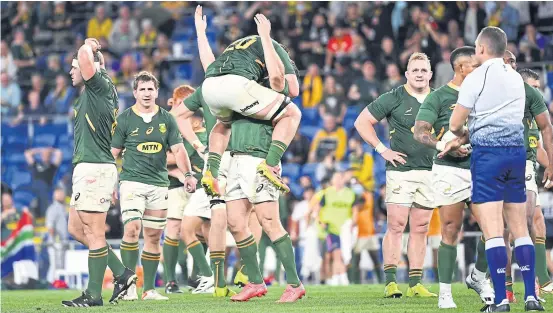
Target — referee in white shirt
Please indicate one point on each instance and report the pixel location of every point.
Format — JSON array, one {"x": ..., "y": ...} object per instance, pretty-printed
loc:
[{"x": 493, "y": 99}]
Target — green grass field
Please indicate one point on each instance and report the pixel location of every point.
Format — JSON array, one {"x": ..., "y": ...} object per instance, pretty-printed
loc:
[{"x": 358, "y": 298}]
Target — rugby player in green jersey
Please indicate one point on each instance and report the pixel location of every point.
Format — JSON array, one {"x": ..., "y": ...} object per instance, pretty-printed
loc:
[
  {"x": 536, "y": 118},
  {"x": 178, "y": 201},
  {"x": 146, "y": 132},
  {"x": 94, "y": 174},
  {"x": 451, "y": 177},
  {"x": 536, "y": 153},
  {"x": 409, "y": 194},
  {"x": 231, "y": 85}
]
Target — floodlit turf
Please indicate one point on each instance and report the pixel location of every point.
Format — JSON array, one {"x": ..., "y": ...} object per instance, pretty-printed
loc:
[{"x": 358, "y": 298}]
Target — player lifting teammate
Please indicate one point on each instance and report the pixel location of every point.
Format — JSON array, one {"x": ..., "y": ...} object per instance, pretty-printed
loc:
[
  {"x": 95, "y": 174},
  {"x": 231, "y": 85},
  {"x": 408, "y": 173},
  {"x": 146, "y": 132},
  {"x": 450, "y": 175}
]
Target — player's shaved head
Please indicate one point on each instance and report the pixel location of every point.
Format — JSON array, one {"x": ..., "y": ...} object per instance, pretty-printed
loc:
[
  {"x": 510, "y": 58},
  {"x": 144, "y": 77},
  {"x": 494, "y": 40},
  {"x": 459, "y": 53},
  {"x": 183, "y": 91}
]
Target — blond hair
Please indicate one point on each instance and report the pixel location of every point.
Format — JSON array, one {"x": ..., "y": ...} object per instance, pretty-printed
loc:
[{"x": 419, "y": 56}]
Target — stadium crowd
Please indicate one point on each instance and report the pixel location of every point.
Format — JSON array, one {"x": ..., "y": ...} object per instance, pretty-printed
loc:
[{"x": 348, "y": 54}]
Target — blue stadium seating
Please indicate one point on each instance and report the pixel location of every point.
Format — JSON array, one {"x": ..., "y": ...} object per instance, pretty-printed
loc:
[
  {"x": 296, "y": 190},
  {"x": 309, "y": 170},
  {"x": 310, "y": 117},
  {"x": 309, "y": 131},
  {"x": 22, "y": 198},
  {"x": 291, "y": 170}
]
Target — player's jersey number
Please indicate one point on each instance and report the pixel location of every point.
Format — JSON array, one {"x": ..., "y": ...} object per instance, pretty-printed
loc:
[{"x": 241, "y": 44}]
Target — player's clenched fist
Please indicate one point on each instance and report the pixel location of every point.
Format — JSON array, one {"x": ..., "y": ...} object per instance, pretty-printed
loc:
[
  {"x": 190, "y": 183},
  {"x": 200, "y": 20},
  {"x": 263, "y": 25},
  {"x": 93, "y": 43}
]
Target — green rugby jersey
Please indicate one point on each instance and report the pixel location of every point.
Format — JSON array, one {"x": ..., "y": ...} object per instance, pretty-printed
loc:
[
  {"x": 146, "y": 145},
  {"x": 534, "y": 106},
  {"x": 400, "y": 108},
  {"x": 436, "y": 110},
  {"x": 194, "y": 102},
  {"x": 95, "y": 112},
  {"x": 244, "y": 57},
  {"x": 196, "y": 161},
  {"x": 251, "y": 136}
]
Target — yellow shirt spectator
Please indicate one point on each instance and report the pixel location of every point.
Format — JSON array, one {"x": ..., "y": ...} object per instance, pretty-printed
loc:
[
  {"x": 330, "y": 139},
  {"x": 312, "y": 87},
  {"x": 99, "y": 26},
  {"x": 148, "y": 39}
]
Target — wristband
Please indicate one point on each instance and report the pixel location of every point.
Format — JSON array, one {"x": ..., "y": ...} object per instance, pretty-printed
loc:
[
  {"x": 188, "y": 174},
  {"x": 440, "y": 145},
  {"x": 380, "y": 148}
]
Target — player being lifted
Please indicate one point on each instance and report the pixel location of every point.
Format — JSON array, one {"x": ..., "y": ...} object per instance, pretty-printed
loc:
[
  {"x": 146, "y": 132},
  {"x": 231, "y": 85},
  {"x": 450, "y": 175},
  {"x": 408, "y": 173},
  {"x": 95, "y": 174}
]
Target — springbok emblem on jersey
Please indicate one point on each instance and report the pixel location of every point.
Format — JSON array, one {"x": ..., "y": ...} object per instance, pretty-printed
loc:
[{"x": 162, "y": 128}]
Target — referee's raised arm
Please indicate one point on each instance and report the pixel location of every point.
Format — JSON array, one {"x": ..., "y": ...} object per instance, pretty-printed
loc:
[{"x": 492, "y": 97}]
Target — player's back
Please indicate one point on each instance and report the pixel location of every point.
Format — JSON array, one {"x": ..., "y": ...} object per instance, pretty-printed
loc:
[
  {"x": 244, "y": 57},
  {"x": 95, "y": 111}
]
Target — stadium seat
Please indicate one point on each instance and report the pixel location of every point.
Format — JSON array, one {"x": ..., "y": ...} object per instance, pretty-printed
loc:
[
  {"x": 44, "y": 140},
  {"x": 23, "y": 198},
  {"x": 310, "y": 117},
  {"x": 17, "y": 137},
  {"x": 309, "y": 170},
  {"x": 291, "y": 170},
  {"x": 296, "y": 190},
  {"x": 20, "y": 178},
  {"x": 309, "y": 131}
]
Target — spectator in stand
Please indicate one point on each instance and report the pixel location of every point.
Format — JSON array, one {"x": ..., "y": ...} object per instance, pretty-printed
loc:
[
  {"x": 358, "y": 53},
  {"x": 23, "y": 56},
  {"x": 475, "y": 20},
  {"x": 533, "y": 38},
  {"x": 362, "y": 164},
  {"x": 334, "y": 101},
  {"x": 148, "y": 36},
  {"x": 125, "y": 17},
  {"x": 267, "y": 9},
  {"x": 386, "y": 55},
  {"x": 33, "y": 112},
  {"x": 125, "y": 76},
  {"x": 56, "y": 223},
  {"x": 54, "y": 69},
  {"x": 332, "y": 139},
  {"x": 100, "y": 25},
  {"x": 366, "y": 88},
  {"x": 232, "y": 31},
  {"x": 506, "y": 18},
  {"x": 298, "y": 150},
  {"x": 37, "y": 84},
  {"x": 312, "y": 47},
  {"x": 10, "y": 214},
  {"x": 7, "y": 63},
  {"x": 121, "y": 39},
  {"x": 326, "y": 168},
  {"x": 299, "y": 20},
  {"x": 343, "y": 75},
  {"x": 394, "y": 78},
  {"x": 43, "y": 172},
  {"x": 59, "y": 22},
  {"x": 60, "y": 98},
  {"x": 10, "y": 95},
  {"x": 163, "y": 50},
  {"x": 312, "y": 87},
  {"x": 339, "y": 44},
  {"x": 25, "y": 19},
  {"x": 443, "y": 70}
]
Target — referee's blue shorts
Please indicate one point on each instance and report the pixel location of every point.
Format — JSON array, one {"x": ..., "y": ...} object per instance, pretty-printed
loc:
[{"x": 498, "y": 174}]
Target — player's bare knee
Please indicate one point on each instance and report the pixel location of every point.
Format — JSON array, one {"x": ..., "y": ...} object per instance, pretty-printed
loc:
[
  {"x": 419, "y": 228},
  {"x": 152, "y": 236},
  {"x": 450, "y": 232},
  {"x": 132, "y": 231},
  {"x": 396, "y": 227},
  {"x": 236, "y": 225}
]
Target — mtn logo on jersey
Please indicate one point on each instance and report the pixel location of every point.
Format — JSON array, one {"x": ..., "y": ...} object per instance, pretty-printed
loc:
[
  {"x": 149, "y": 147},
  {"x": 533, "y": 142}
]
